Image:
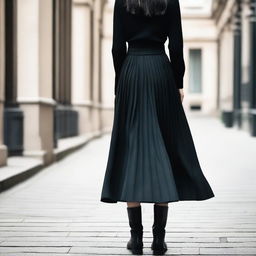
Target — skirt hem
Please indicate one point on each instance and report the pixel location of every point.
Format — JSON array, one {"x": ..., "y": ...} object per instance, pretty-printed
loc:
[{"x": 108, "y": 200}]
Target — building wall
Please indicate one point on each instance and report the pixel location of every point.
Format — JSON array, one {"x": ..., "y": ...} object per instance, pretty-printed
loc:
[
  {"x": 57, "y": 92},
  {"x": 235, "y": 22},
  {"x": 107, "y": 78},
  {"x": 61, "y": 72},
  {"x": 82, "y": 62},
  {"x": 34, "y": 76},
  {"x": 3, "y": 149},
  {"x": 226, "y": 49},
  {"x": 226, "y": 35},
  {"x": 200, "y": 33}
]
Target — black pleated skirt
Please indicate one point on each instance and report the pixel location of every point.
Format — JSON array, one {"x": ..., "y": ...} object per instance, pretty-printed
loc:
[{"x": 152, "y": 157}]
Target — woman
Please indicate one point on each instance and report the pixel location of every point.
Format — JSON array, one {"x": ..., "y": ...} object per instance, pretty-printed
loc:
[{"x": 152, "y": 157}]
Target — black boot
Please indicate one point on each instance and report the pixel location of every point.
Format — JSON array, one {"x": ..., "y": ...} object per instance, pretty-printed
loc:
[
  {"x": 158, "y": 245},
  {"x": 135, "y": 243}
]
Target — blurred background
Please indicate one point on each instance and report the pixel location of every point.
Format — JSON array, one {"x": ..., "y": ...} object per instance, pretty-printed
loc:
[
  {"x": 57, "y": 94},
  {"x": 57, "y": 76}
]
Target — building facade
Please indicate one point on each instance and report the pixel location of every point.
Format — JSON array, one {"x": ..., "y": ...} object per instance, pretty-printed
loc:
[
  {"x": 236, "y": 27},
  {"x": 220, "y": 79},
  {"x": 200, "y": 53},
  {"x": 50, "y": 75}
]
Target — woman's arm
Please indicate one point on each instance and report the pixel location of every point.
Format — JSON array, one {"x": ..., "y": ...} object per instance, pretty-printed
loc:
[
  {"x": 175, "y": 44},
  {"x": 119, "y": 42}
]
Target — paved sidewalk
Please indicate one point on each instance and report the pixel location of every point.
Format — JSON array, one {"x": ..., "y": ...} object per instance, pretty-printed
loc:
[{"x": 58, "y": 212}]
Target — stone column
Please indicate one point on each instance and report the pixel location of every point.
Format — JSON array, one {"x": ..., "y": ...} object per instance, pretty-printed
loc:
[
  {"x": 237, "y": 64},
  {"x": 66, "y": 118},
  {"x": 96, "y": 86},
  {"x": 245, "y": 94},
  {"x": 226, "y": 78},
  {"x": 82, "y": 69},
  {"x": 13, "y": 115},
  {"x": 3, "y": 148},
  {"x": 108, "y": 77},
  {"x": 35, "y": 76},
  {"x": 253, "y": 68}
]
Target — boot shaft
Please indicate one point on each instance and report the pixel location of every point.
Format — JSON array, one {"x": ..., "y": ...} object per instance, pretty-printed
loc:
[
  {"x": 135, "y": 244},
  {"x": 159, "y": 245},
  {"x": 160, "y": 218},
  {"x": 135, "y": 218}
]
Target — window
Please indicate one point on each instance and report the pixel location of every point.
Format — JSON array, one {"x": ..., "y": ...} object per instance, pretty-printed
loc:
[{"x": 195, "y": 70}]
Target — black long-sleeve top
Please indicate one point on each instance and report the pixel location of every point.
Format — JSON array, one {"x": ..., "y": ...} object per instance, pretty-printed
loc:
[{"x": 137, "y": 29}]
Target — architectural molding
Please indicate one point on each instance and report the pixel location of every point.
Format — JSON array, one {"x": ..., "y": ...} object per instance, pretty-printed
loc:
[
  {"x": 2, "y": 50},
  {"x": 83, "y": 2},
  {"x": 225, "y": 14},
  {"x": 37, "y": 100}
]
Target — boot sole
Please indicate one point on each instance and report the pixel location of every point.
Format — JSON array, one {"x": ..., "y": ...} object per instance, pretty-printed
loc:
[
  {"x": 159, "y": 252},
  {"x": 135, "y": 251}
]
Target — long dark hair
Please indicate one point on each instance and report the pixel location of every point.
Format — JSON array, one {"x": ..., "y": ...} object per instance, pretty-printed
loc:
[{"x": 147, "y": 7}]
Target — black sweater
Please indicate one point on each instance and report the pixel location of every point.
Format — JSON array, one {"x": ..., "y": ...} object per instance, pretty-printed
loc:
[{"x": 137, "y": 29}]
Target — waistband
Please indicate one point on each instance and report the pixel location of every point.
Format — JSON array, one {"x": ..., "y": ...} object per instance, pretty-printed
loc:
[
  {"x": 142, "y": 49},
  {"x": 147, "y": 50}
]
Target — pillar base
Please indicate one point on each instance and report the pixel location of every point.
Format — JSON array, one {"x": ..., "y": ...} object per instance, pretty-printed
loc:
[
  {"x": 227, "y": 117},
  {"x": 13, "y": 130},
  {"x": 40, "y": 154},
  {"x": 3, "y": 155},
  {"x": 252, "y": 121},
  {"x": 65, "y": 122},
  {"x": 38, "y": 134},
  {"x": 238, "y": 118}
]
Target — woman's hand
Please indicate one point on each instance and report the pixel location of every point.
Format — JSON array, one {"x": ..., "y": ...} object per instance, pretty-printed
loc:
[{"x": 181, "y": 94}]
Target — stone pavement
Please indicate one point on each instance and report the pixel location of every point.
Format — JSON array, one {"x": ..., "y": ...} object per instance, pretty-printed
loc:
[{"x": 58, "y": 212}]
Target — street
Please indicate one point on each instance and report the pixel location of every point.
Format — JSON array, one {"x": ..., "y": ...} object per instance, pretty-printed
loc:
[{"x": 58, "y": 211}]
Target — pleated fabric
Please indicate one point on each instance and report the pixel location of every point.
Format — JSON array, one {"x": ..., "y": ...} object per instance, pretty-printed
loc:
[{"x": 152, "y": 157}]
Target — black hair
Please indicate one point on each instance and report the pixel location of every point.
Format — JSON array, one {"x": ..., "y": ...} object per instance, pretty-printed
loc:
[{"x": 146, "y": 7}]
